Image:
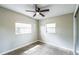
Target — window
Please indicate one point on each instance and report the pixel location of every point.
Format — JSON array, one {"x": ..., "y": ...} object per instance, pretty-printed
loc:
[
  {"x": 22, "y": 28},
  {"x": 51, "y": 28}
]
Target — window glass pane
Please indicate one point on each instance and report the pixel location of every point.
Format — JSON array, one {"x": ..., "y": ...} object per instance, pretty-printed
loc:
[
  {"x": 22, "y": 28},
  {"x": 51, "y": 25},
  {"x": 20, "y": 25},
  {"x": 51, "y": 28}
]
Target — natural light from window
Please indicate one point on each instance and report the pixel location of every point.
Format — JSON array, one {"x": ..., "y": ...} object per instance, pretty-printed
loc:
[
  {"x": 22, "y": 28},
  {"x": 51, "y": 28}
]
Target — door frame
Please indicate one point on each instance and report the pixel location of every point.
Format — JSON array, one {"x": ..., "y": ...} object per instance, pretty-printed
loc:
[{"x": 75, "y": 30}]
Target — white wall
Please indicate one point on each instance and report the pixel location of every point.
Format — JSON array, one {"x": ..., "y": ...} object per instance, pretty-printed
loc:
[
  {"x": 63, "y": 37},
  {"x": 8, "y": 39}
]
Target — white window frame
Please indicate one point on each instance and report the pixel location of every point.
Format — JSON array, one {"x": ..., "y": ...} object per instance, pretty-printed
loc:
[
  {"x": 51, "y": 26},
  {"x": 23, "y": 28}
]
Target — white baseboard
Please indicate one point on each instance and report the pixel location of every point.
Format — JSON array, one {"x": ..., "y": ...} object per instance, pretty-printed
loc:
[
  {"x": 33, "y": 42},
  {"x": 23, "y": 45},
  {"x": 58, "y": 46}
]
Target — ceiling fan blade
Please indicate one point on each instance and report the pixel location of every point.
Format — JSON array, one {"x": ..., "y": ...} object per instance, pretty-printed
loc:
[
  {"x": 30, "y": 11},
  {"x": 34, "y": 15},
  {"x": 44, "y": 10},
  {"x": 42, "y": 14}
]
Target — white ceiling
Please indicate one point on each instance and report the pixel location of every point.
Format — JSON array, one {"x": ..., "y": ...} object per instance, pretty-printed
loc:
[{"x": 55, "y": 9}]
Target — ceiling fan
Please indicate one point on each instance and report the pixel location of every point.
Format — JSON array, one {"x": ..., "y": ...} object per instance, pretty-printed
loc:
[{"x": 38, "y": 11}]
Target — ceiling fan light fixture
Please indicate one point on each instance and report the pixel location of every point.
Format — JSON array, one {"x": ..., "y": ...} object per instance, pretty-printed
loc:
[{"x": 37, "y": 13}]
